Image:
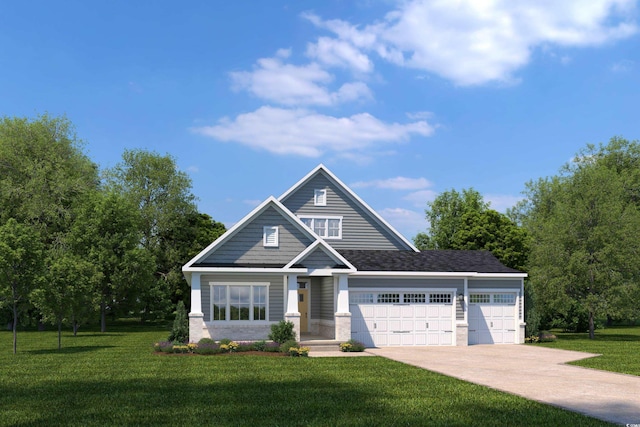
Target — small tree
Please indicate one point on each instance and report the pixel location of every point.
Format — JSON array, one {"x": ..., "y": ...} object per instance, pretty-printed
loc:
[
  {"x": 180, "y": 331},
  {"x": 21, "y": 259}
]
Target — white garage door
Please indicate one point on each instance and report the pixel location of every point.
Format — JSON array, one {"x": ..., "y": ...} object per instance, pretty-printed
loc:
[
  {"x": 492, "y": 318},
  {"x": 394, "y": 318}
]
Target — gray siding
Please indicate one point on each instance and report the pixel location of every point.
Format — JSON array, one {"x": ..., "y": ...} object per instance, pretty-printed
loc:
[
  {"x": 495, "y": 283},
  {"x": 327, "y": 310},
  {"x": 316, "y": 292},
  {"x": 361, "y": 282},
  {"x": 359, "y": 229},
  {"x": 318, "y": 259},
  {"x": 276, "y": 292},
  {"x": 246, "y": 246}
]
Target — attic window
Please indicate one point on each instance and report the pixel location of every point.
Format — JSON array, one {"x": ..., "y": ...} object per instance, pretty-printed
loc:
[
  {"x": 270, "y": 236},
  {"x": 320, "y": 197}
]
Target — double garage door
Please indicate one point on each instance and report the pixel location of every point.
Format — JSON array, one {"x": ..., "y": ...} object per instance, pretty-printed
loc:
[
  {"x": 492, "y": 318},
  {"x": 393, "y": 318}
]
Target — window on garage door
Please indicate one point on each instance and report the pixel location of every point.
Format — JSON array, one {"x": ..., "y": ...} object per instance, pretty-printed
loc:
[
  {"x": 415, "y": 298},
  {"x": 388, "y": 298},
  {"x": 504, "y": 298},
  {"x": 439, "y": 298},
  {"x": 479, "y": 298}
]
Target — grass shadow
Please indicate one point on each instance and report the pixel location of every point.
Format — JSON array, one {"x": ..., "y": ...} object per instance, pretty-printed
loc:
[{"x": 70, "y": 350}]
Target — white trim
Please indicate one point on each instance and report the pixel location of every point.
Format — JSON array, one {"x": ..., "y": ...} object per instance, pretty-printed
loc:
[
  {"x": 332, "y": 253},
  {"x": 438, "y": 274},
  {"x": 409, "y": 288},
  {"x": 320, "y": 197},
  {"x": 493, "y": 291},
  {"x": 351, "y": 194},
  {"x": 214, "y": 270},
  {"x": 228, "y": 304},
  {"x": 266, "y": 233},
  {"x": 270, "y": 202},
  {"x": 325, "y": 218}
]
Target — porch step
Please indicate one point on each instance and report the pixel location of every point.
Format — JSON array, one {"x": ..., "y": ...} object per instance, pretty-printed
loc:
[{"x": 321, "y": 345}]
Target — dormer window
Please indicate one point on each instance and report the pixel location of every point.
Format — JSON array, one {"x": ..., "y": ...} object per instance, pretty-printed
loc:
[
  {"x": 270, "y": 236},
  {"x": 320, "y": 197}
]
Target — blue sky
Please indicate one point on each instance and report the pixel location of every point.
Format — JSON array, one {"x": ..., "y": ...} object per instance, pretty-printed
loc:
[{"x": 401, "y": 100}]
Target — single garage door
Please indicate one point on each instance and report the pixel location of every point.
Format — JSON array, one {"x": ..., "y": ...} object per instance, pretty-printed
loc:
[
  {"x": 492, "y": 318},
  {"x": 392, "y": 318}
]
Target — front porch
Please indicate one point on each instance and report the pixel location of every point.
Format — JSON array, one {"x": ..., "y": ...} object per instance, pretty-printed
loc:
[{"x": 318, "y": 306}]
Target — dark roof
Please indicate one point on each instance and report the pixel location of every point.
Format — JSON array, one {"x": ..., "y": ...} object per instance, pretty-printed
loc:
[{"x": 428, "y": 261}]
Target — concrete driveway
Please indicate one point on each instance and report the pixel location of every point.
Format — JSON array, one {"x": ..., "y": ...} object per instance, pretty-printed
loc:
[{"x": 536, "y": 373}]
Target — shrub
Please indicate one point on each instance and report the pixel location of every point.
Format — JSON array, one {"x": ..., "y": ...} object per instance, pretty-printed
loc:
[
  {"x": 272, "y": 347},
  {"x": 259, "y": 345},
  {"x": 285, "y": 346},
  {"x": 282, "y": 332},
  {"x": 244, "y": 346},
  {"x": 207, "y": 348},
  {"x": 224, "y": 341},
  {"x": 163, "y": 346},
  {"x": 180, "y": 330},
  {"x": 206, "y": 341},
  {"x": 352, "y": 346},
  {"x": 532, "y": 339}
]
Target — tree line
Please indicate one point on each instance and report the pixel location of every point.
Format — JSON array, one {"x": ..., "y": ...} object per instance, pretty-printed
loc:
[
  {"x": 79, "y": 244},
  {"x": 576, "y": 234}
]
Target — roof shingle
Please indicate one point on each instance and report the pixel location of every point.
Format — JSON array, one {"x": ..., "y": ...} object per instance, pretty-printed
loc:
[{"x": 427, "y": 261}]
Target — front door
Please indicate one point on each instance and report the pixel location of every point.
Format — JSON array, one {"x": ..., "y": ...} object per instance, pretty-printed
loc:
[{"x": 303, "y": 305}]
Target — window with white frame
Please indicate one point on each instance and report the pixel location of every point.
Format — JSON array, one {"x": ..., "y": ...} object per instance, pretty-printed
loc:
[
  {"x": 270, "y": 236},
  {"x": 440, "y": 298},
  {"x": 235, "y": 302},
  {"x": 327, "y": 227},
  {"x": 320, "y": 197}
]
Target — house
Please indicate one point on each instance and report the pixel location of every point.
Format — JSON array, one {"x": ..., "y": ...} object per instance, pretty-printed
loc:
[{"x": 321, "y": 258}]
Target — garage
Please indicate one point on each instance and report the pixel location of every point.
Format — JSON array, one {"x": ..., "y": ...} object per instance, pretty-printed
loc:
[
  {"x": 492, "y": 318},
  {"x": 402, "y": 318}
]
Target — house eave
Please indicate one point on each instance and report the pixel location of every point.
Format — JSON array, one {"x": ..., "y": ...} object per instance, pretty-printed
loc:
[{"x": 427, "y": 274}]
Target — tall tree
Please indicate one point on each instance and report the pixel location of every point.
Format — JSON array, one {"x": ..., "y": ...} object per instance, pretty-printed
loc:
[
  {"x": 162, "y": 194},
  {"x": 445, "y": 214},
  {"x": 492, "y": 231},
  {"x": 21, "y": 262},
  {"x": 107, "y": 234},
  {"x": 42, "y": 171},
  {"x": 584, "y": 225}
]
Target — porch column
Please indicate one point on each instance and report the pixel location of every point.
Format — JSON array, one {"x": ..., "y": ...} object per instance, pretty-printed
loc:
[
  {"x": 293, "y": 315},
  {"x": 342, "y": 315},
  {"x": 196, "y": 317}
]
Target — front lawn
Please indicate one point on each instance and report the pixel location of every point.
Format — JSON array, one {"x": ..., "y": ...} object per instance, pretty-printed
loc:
[
  {"x": 619, "y": 347},
  {"x": 116, "y": 379}
]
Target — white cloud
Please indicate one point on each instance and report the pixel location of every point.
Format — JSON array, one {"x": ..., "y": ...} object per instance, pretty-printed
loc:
[
  {"x": 420, "y": 198},
  {"x": 307, "y": 133},
  {"x": 622, "y": 66},
  {"x": 336, "y": 52},
  {"x": 406, "y": 221},
  {"x": 193, "y": 169},
  {"x": 472, "y": 42},
  {"x": 501, "y": 202},
  {"x": 295, "y": 85},
  {"x": 397, "y": 183}
]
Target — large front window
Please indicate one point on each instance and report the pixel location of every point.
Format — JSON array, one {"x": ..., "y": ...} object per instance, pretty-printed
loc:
[
  {"x": 327, "y": 227},
  {"x": 233, "y": 302}
]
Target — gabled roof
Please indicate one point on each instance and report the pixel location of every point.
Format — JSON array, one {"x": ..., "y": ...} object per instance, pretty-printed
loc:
[
  {"x": 427, "y": 261},
  {"x": 270, "y": 202},
  {"x": 353, "y": 196},
  {"x": 321, "y": 245}
]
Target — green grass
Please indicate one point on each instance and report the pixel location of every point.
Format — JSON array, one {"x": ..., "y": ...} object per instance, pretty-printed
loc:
[
  {"x": 619, "y": 347},
  {"x": 116, "y": 379}
]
